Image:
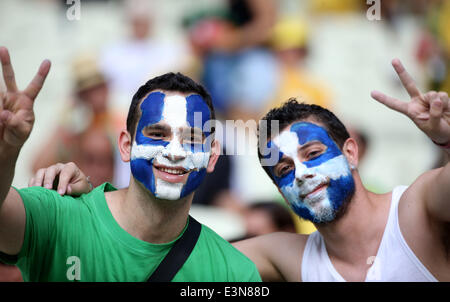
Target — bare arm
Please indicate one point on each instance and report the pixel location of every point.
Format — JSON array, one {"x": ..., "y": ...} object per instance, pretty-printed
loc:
[
  {"x": 431, "y": 114},
  {"x": 16, "y": 122},
  {"x": 255, "y": 249},
  {"x": 277, "y": 255},
  {"x": 437, "y": 192}
]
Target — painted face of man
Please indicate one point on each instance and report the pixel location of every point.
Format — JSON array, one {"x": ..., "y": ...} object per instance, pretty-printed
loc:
[
  {"x": 170, "y": 152},
  {"x": 312, "y": 173}
]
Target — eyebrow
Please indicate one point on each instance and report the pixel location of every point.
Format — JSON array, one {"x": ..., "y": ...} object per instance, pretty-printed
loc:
[
  {"x": 193, "y": 130},
  {"x": 305, "y": 146},
  {"x": 157, "y": 127},
  {"x": 310, "y": 143},
  {"x": 285, "y": 158}
]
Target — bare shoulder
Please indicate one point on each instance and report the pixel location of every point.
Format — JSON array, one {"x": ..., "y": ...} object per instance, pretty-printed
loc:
[
  {"x": 424, "y": 234},
  {"x": 411, "y": 207},
  {"x": 412, "y": 202},
  {"x": 425, "y": 178}
]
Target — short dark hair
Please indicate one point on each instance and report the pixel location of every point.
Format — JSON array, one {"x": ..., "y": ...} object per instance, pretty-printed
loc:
[
  {"x": 292, "y": 111},
  {"x": 169, "y": 82}
]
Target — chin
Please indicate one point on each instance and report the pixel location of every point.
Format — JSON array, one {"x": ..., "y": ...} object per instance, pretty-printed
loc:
[
  {"x": 321, "y": 213},
  {"x": 336, "y": 211},
  {"x": 167, "y": 190}
]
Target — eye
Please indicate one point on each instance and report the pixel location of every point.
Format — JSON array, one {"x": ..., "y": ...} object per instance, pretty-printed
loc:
[
  {"x": 159, "y": 135},
  {"x": 192, "y": 137},
  {"x": 313, "y": 154},
  {"x": 155, "y": 134},
  {"x": 283, "y": 170},
  {"x": 196, "y": 139}
]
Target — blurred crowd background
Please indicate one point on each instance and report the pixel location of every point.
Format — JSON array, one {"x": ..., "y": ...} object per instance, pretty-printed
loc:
[{"x": 251, "y": 55}]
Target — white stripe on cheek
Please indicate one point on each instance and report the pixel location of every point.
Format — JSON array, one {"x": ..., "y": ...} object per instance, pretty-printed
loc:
[
  {"x": 197, "y": 161},
  {"x": 147, "y": 152},
  {"x": 333, "y": 168},
  {"x": 192, "y": 161}
]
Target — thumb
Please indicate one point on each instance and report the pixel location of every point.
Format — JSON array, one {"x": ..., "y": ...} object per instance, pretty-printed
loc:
[
  {"x": 5, "y": 116},
  {"x": 72, "y": 181},
  {"x": 78, "y": 188}
]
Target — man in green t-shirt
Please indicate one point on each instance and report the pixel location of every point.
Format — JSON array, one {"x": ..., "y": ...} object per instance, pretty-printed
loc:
[{"x": 109, "y": 234}]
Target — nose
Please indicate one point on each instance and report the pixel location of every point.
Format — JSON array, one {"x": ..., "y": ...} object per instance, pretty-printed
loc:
[
  {"x": 174, "y": 151},
  {"x": 302, "y": 178},
  {"x": 174, "y": 157},
  {"x": 302, "y": 173}
]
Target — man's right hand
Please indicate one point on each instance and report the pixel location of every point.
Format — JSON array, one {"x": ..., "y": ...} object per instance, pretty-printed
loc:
[
  {"x": 16, "y": 107},
  {"x": 16, "y": 123},
  {"x": 66, "y": 178}
]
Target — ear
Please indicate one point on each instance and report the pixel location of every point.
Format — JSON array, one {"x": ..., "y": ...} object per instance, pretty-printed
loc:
[
  {"x": 350, "y": 151},
  {"x": 125, "y": 144},
  {"x": 215, "y": 153}
]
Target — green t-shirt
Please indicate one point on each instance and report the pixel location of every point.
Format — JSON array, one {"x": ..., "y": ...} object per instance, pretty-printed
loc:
[{"x": 78, "y": 239}]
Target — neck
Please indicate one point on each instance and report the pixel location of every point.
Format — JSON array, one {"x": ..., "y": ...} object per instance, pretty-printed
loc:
[
  {"x": 148, "y": 218},
  {"x": 357, "y": 234}
]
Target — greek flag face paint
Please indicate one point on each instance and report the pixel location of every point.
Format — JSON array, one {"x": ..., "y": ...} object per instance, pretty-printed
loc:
[
  {"x": 316, "y": 185},
  {"x": 169, "y": 155}
]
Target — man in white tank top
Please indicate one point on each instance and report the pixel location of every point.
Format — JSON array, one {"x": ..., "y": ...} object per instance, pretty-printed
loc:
[{"x": 403, "y": 235}]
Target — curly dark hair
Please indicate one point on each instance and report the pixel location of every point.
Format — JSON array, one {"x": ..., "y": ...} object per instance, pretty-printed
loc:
[
  {"x": 169, "y": 82},
  {"x": 293, "y": 111}
]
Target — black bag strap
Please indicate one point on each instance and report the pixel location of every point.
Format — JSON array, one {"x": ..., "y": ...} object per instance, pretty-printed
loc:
[{"x": 178, "y": 254}]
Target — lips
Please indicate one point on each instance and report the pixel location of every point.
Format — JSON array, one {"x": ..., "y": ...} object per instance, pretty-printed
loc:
[
  {"x": 171, "y": 170},
  {"x": 171, "y": 174},
  {"x": 317, "y": 189}
]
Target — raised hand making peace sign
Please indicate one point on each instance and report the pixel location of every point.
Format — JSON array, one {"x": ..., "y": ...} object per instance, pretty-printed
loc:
[
  {"x": 16, "y": 107},
  {"x": 429, "y": 111}
]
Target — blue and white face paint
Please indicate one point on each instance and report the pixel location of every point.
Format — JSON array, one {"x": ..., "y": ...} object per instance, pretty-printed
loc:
[
  {"x": 317, "y": 187},
  {"x": 179, "y": 115}
]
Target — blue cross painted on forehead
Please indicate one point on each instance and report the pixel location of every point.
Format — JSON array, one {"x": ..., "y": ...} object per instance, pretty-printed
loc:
[
  {"x": 302, "y": 133},
  {"x": 197, "y": 114},
  {"x": 177, "y": 112}
]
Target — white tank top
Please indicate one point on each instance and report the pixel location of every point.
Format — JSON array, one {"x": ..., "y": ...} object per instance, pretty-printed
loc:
[{"x": 394, "y": 261}]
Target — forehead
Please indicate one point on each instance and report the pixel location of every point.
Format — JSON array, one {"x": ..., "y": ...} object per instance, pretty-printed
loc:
[
  {"x": 174, "y": 108},
  {"x": 300, "y": 133}
]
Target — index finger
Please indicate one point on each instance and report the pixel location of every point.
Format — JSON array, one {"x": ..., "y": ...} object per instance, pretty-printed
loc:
[
  {"x": 36, "y": 84},
  {"x": 405, "y": 78},
  {"x": 390, "y": 102},
  {"x": 67, "y": 175},
  {"x": 7, "y": 69}
]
